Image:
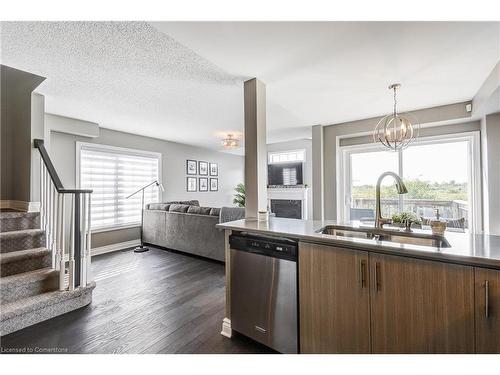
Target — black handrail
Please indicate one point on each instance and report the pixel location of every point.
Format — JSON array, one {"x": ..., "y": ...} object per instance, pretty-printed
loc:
[
  {"x": 52, "y": 171},
  {"x": 38, "y": 143}
]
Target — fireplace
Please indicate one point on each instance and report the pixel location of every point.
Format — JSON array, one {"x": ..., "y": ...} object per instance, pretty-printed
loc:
[{"x": 289, "y": 208}]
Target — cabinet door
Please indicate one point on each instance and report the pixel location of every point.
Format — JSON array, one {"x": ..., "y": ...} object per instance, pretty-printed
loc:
[
  {"x": 334, "y": 300},
  {"x": 420, "y": 306},
  {"x": 487, "y": 310}
]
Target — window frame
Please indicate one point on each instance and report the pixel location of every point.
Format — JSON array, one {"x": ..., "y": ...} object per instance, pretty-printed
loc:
[
  {"x": 302, "y": 150},
  {"x": 472, "y": 138},
  {"x": 118, "y": 150}
]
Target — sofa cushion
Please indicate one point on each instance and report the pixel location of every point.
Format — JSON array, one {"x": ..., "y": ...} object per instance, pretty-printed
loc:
[
  {"x": 158, "y": 206},
  {"x": 215, "y": 211},
  {"x": 199, "y": 210},
  {"x": 231, "y": 214},
  {"x": 193, "y": 202},
  {"x": 178, "y": 208}
]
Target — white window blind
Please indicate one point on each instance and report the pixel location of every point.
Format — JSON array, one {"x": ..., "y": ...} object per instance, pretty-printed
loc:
[
  {"x": 286, "y": 156},
  {"x": 113, "y": 174}
]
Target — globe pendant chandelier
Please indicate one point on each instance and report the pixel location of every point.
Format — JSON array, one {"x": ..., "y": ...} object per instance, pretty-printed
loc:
[{"x": 396, "y": 131}]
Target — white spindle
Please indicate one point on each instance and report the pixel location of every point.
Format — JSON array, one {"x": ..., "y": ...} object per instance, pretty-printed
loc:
[
  {"x": 41, "y": 192},
  {"x": 71, "y": 272},
  {"x": 46, "y": 210},
  {"x": 60, "y": 231},
  {"x": 50, "y": 217},
  {"x": 83, "y": 242},
  {"x": 55, "y": 217},
  {"x": 89, "y": 242}
]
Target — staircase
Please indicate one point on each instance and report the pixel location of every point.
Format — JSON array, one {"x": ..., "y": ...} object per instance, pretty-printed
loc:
[
  {"x": 45, "y": 271},
  {"x": 29, "y": 285}
]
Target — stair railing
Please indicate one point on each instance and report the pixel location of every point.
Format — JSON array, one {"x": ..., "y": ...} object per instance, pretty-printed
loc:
[{"x": 53, "y": 200}]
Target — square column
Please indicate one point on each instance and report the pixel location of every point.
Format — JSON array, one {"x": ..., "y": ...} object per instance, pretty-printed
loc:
[{"x": 255, "y": 148}]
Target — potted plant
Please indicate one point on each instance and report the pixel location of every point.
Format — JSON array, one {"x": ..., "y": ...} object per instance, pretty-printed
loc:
[
  {"x": 239, "y": 197},
  {"x": 400, "y": 220}
]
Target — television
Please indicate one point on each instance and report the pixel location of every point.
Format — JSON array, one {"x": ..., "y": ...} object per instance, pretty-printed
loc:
[{"x": 284, "y": 174}]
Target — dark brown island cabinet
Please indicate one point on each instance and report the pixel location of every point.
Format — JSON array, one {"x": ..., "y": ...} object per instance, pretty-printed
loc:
[{"x": 354, "y": 301}]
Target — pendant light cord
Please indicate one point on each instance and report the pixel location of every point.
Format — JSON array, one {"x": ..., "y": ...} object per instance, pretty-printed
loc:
[{"x": 395, "y": 102}]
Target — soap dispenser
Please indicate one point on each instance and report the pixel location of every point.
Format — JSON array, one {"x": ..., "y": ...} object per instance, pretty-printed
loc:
[{"x": 438, "y": 225}]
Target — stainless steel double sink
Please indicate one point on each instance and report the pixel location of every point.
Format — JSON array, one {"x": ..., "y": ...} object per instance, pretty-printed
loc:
[{"x": 389, "y": 235}]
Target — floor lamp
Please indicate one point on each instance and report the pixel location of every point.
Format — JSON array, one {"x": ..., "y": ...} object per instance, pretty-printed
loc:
[{"x": 141, "y": 248}]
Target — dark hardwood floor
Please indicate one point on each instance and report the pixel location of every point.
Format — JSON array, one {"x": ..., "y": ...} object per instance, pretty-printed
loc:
[{"x": 153, "y": 302}]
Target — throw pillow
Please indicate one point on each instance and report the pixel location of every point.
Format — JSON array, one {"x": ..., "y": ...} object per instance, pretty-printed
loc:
[
  {"x": 199, "y": 210},
  {"x": 214, "y": 211},
  {"x": 158, "y": 206},
  {"x": 178, "y": 208}
]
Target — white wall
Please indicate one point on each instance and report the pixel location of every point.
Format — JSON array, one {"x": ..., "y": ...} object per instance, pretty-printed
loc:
[
  {"x": 174, "y": 155},
  {"x": 300, "y": 144}
]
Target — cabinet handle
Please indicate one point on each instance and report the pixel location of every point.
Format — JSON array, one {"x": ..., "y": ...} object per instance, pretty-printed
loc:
[
  {"x": 486, "y": 298},
  {"x": 362, "y": 272},
  {"x": 378, "y": 284}
]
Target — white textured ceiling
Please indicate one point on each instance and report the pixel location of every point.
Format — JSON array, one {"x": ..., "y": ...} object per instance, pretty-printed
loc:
[{"x": 182, "y": 81}]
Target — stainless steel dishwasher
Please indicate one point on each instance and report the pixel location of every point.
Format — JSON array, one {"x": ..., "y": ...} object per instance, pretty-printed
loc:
[{"x": 264, "y": 290}]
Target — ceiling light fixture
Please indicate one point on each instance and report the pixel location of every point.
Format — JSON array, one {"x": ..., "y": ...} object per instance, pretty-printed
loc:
[
  {"x": 230, "y": 142},
  {"x": 396, "y": 131}
]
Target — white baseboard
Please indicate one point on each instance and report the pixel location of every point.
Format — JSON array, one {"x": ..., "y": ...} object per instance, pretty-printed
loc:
[
  {"x": 20, "y": 205},
  {"x": 226, "y": 328},
  {"x": 114, "y": 247}
]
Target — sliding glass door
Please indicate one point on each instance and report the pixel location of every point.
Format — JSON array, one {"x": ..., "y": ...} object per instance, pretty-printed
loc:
[{"x": 441, "y": 173}]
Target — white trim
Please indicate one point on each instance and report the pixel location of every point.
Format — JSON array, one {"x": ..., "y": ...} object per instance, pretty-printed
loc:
[
  {"x": 303, "y": 150},
  {"x": 118, "y": 227},
  {"x": 20, "y": 205},
  {"x": 226, "y": 328},
  {"x": 474, "y": 171},
  {"x": 114, "y": 247}
]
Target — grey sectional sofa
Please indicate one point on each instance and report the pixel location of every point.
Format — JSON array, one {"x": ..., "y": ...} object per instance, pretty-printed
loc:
[{"x": 187, "y": 227}]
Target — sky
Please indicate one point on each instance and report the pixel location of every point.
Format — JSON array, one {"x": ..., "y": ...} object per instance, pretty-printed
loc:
[{"x": 436, "y": 163}]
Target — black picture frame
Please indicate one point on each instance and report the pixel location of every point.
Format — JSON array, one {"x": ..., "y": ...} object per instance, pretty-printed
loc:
[
  {"x": 202, "y": 184},
  {"x": 189, "y": 186},
  {"x": 212, "y": 186},
  {"x": 189, "y": 167},
  {"x": 203, "y": 168},
  {"x": 215, "y": 171}
]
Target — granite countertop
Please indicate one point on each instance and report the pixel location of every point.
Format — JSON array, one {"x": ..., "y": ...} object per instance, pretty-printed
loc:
[{"x": 470, "y": 249}]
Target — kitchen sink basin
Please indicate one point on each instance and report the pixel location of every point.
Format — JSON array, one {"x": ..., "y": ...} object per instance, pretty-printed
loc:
[{"x": 389, "y": 235}]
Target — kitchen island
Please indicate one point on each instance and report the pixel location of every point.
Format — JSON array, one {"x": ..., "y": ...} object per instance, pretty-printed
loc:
[{"x": 362, "y": 295}]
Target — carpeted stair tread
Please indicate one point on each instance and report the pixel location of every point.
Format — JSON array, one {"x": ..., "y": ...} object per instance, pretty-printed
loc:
[
  {"x": 14, "y": 221},
  {"x": 28, "y": 284},
  {"x": 16, "y": 256},
  {"x": 38, "y": 302},
  {"x": 21, "y": 240},
  {"x": 26, "y": 277}
]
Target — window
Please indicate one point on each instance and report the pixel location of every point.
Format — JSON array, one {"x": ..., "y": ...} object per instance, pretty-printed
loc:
[
  {"x": 286, "y": 156},
  {"x": 440, "y": 172},
  {"x": 113, "y": 173}
]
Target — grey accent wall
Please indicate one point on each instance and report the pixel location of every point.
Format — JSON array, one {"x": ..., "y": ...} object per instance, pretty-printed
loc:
[
  {"x": 490, "y": 139},
  {"x": 318, "y": 182},
  {"x": 300, "y": 144},
  {"x": 37, "y": 132},
  {"x": 174, "y": 155},
  {"x": 16, "y": 88},
  {"x": 358, "y": 132}
]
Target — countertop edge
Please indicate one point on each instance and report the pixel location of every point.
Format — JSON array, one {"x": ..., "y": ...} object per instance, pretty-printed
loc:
[{"x": 379, "y": 247}]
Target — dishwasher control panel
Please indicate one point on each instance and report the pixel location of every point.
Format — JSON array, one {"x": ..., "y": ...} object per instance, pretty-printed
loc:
[{"x": 277, "y": 247}]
